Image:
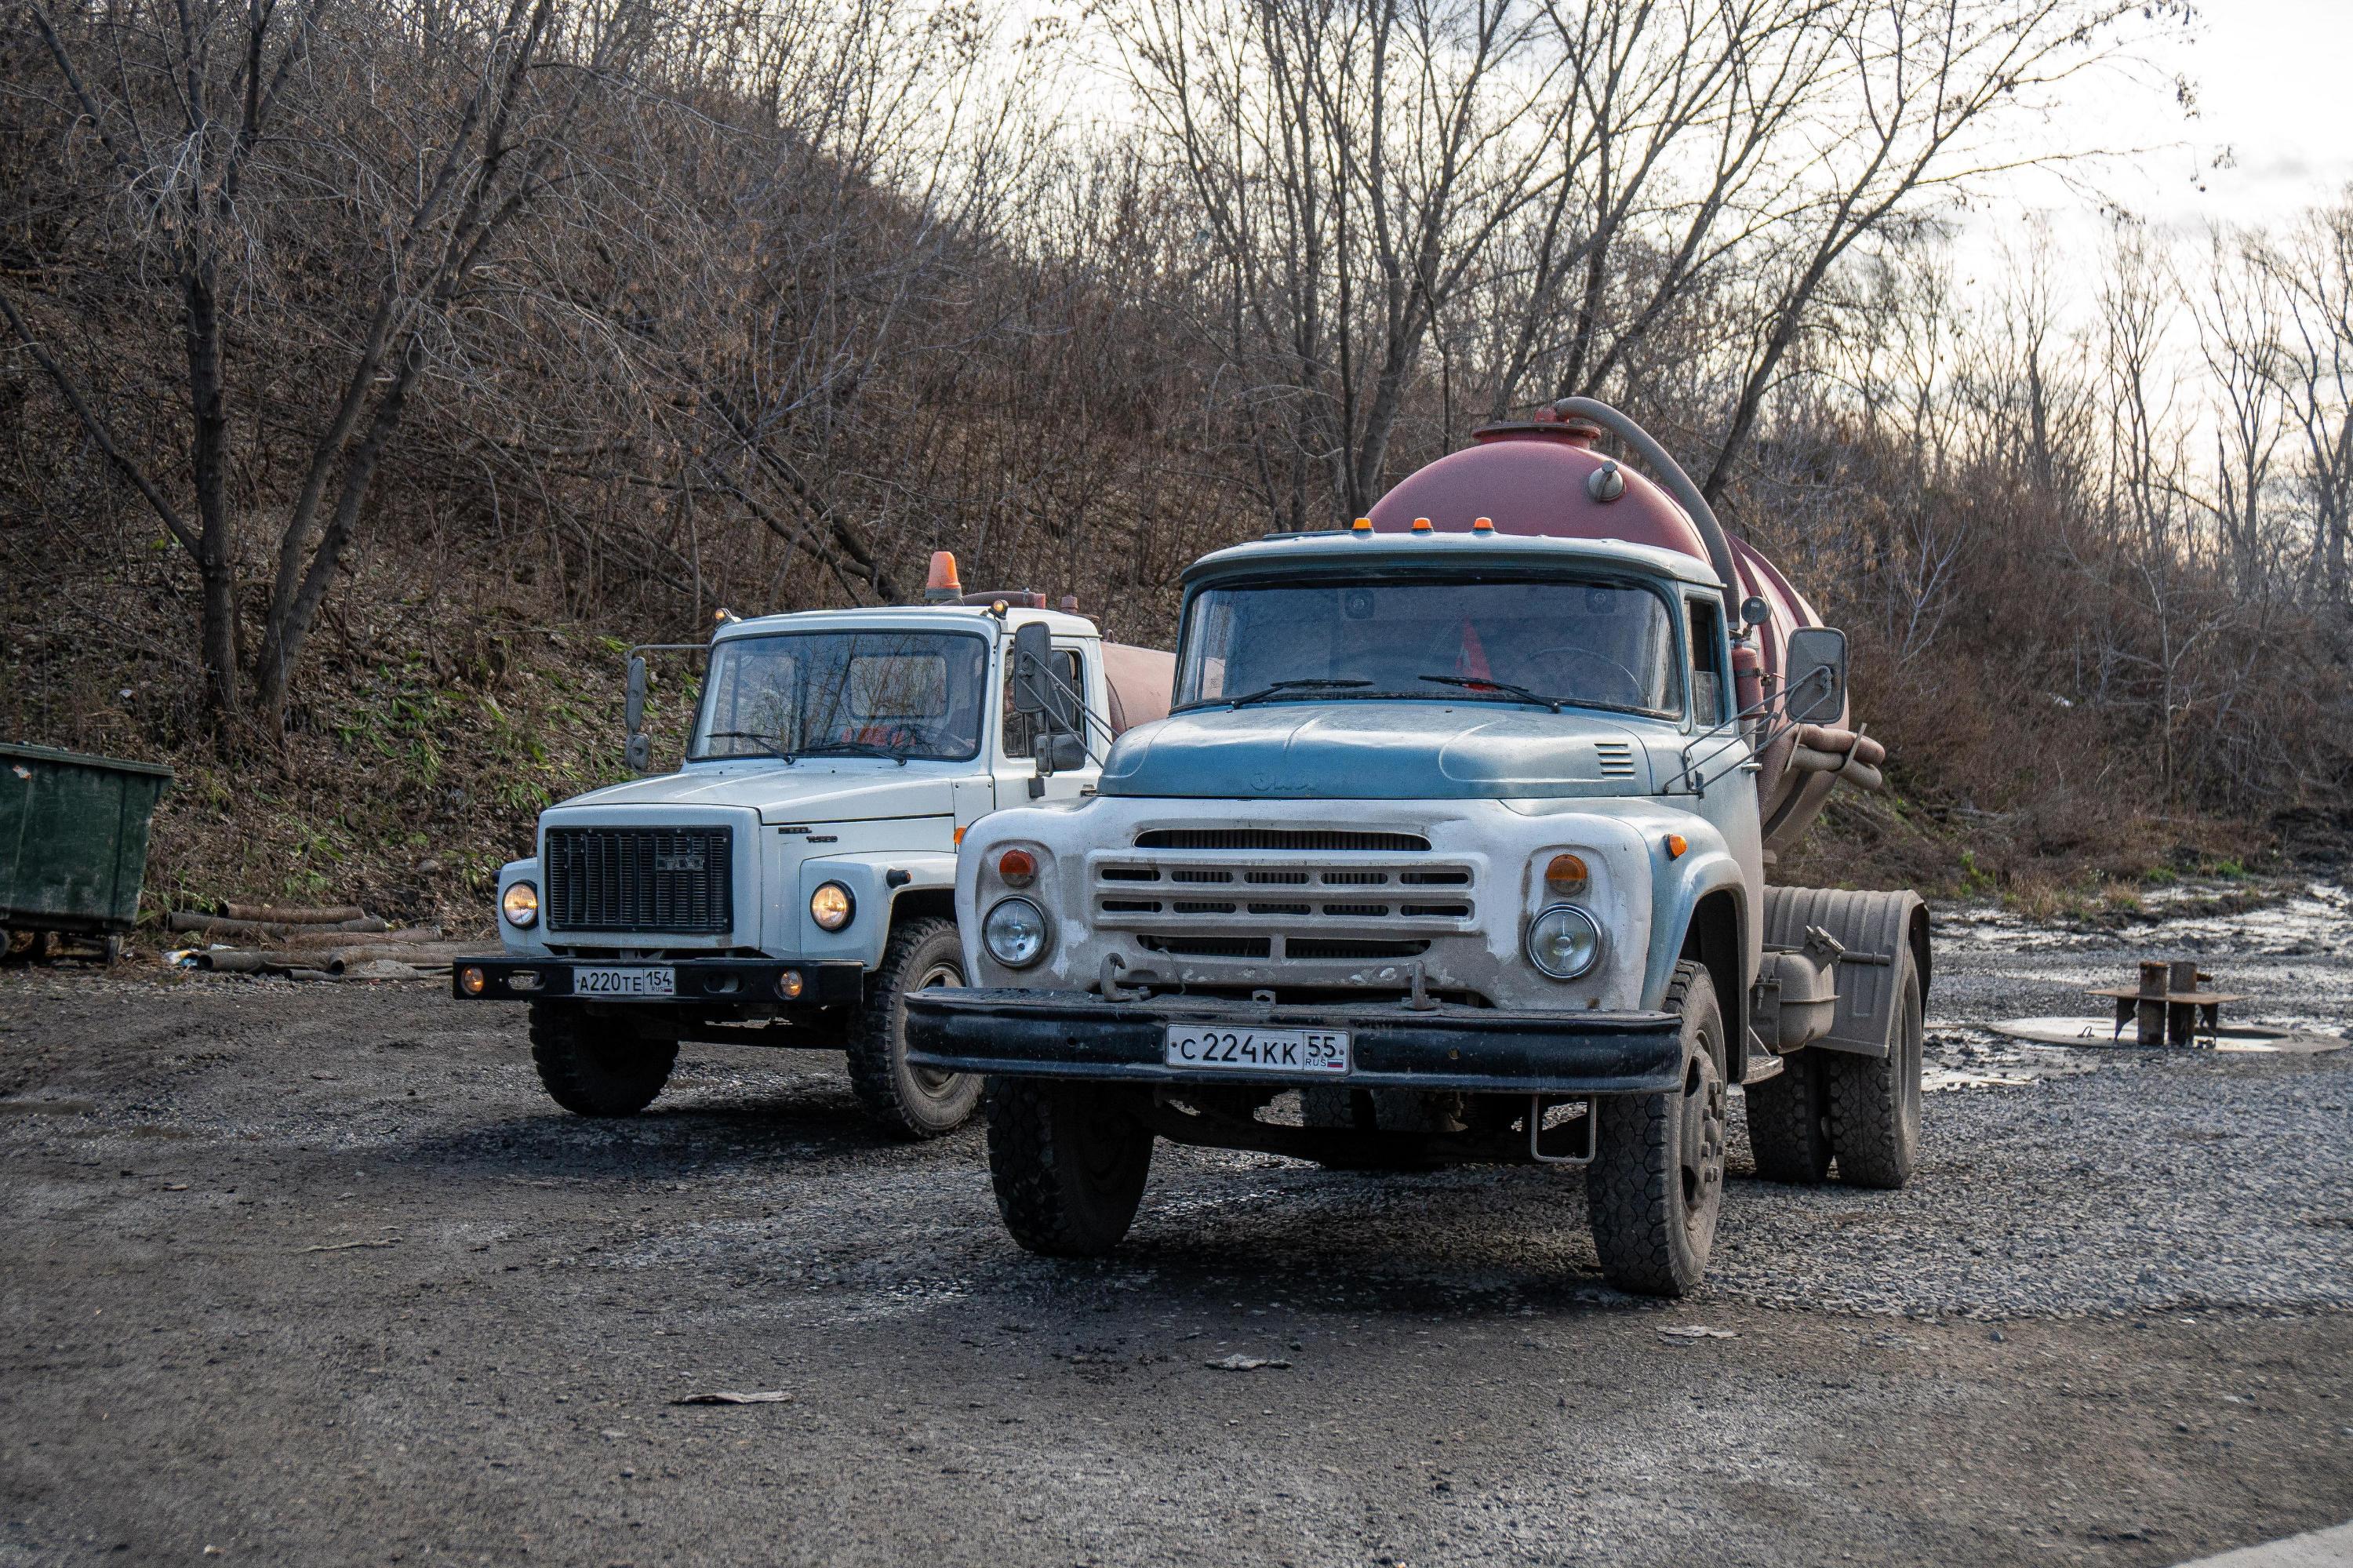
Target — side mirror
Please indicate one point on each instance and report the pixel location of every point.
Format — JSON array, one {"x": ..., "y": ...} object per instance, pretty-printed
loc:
[
  {"x": 1033, "y": 649},
  {"x": 1059, "y": 752},
  {"x": 1815, "y": 677},
  {"x": 1754, "y": 612},
  {"x": 1035, "y": 688},
  {"x": 640, "y": 747}
]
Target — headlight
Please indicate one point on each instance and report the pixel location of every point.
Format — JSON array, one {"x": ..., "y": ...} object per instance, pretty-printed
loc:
[
  {"x": 521, "y": 904},
  {"x": 1015, "y": 933},
  {"x": 1564, "y": 941},
  {"x": 831, "y": 906}
]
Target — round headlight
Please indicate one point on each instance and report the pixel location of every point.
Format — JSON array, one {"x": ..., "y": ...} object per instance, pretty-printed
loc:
[
  {"x": 1015, "y": 933},
  {"x": 1564, "y": 942},
  {"x": 521, "y": 904},
  {"x": 831, "y": 906}
]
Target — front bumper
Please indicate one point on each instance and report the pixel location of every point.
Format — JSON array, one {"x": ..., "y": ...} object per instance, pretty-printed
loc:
[
  {"x": 700, "y": 982},
  {"x": 1077, "y": 1034}
]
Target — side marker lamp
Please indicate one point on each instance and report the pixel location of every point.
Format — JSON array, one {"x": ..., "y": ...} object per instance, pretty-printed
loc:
[
  {"x": 1565, "y": 876},
  {"x": 1676, "y": 845}
]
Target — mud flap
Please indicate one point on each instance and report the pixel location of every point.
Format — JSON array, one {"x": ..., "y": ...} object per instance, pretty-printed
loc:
[{"x": 1876, "y": 929}]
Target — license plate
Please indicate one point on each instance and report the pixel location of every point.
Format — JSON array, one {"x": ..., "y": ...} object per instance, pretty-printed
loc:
[
  {"x": 1322, "y": 1053},
  {"x": 634, "y": 979}
]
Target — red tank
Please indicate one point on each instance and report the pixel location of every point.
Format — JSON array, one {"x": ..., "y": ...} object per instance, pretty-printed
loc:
[{"x": 1539, "y": 478}]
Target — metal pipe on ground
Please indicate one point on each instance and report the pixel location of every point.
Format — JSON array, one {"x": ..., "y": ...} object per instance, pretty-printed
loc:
[
  {"x": 276, "y": 915},
  {"x": 224, "y": 925}
]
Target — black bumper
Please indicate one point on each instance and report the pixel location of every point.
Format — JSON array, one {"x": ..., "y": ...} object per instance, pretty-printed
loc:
[
  {"x": 702, "y": 982},
  {"x": 1076, "y": 1035}
]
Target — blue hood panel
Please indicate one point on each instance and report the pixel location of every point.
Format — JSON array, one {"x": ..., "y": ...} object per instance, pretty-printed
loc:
[{"x": 1378, "y": 751}]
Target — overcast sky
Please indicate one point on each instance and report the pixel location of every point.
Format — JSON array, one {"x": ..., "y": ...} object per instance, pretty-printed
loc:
[{"x": 2272, "y": 94}]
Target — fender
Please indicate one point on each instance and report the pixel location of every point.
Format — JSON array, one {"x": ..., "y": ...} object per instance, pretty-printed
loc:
[
  {"x": 875, "y": 884},
  {"x": 1708, "y": 867},
  {"x": 1877, "y": 929}
]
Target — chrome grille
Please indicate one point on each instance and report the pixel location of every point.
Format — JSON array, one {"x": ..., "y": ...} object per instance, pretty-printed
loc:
[
  {"x": 1333, "y": 895},
  {"x": 641, "y": 879}
]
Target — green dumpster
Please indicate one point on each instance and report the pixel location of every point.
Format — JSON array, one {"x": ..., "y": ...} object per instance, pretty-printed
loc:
[{"x": 73, "y": 840}]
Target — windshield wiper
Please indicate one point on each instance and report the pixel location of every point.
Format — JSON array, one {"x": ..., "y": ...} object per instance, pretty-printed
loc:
[
  {"x": 853, "y": 748},
  {"x": 1480, "y": 684},
  {"x": 768, "y": 747},
  {"x": 1307, "y": 683}
]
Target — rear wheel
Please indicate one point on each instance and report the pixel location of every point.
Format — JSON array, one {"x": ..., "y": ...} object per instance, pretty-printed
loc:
[
  {"x": 1068, "y": 1160},
  {"x": 914, "y": 1102},
  {"x": 1874, "y": 1101},
  {"x": 596, "y": 1064},
  {"x": 1656, "y": 1184},
  {"x": 1789, "y": 1121}
]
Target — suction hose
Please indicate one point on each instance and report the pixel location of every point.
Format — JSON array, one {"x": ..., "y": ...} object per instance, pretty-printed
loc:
[{"x": 1678, "y": 484}]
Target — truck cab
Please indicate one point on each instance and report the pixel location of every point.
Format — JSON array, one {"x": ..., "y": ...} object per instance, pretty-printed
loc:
[
  {"x": 1452, "y": 848},
  {"x": 793, "y": 879}
]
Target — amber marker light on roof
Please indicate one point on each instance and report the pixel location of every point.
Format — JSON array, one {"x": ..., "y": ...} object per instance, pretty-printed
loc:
[
  {"x": 1675, "y": 846},
  {"x": 1421, "y": 524},
  {"x": 1564, "y": 877},
  {"x": 1482, "y": 524},
  {"x": 1361, "y": 525},
  {"x": 1018, "y": 868}
]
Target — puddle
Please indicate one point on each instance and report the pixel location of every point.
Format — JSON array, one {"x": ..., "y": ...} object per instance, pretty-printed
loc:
[
  {"x": 2101, "y": 1033},
  {"x": 1963, "y": 1058},
  {"x": 2313, "y": 919}
]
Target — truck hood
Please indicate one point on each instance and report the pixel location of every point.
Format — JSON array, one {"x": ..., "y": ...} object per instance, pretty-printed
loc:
[
  {"x": 803, "y": 792},
  {"x": 1378, "y": 751}
]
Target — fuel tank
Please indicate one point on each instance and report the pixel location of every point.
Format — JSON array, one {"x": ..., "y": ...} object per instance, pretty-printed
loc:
[{"x": 1545, "y": 477}]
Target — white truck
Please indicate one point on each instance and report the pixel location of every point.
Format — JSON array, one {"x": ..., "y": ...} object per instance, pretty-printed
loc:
[
  {"x": 1456, "y": 846},
  {"x": 793, "y": 879}
]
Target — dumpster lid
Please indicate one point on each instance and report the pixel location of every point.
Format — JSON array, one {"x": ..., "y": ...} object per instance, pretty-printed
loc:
[{"x": 51, "y": 754}]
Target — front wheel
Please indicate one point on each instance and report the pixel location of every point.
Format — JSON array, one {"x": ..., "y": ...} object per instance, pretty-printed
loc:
[
  {"x": 911, "y": 1101},
  {"x": 1874, "y": 1101},
  {"x": 1068, "y": 1160},
  {"x": 1656, "y": 1184},
  {"x": 597, "y": 1066}
]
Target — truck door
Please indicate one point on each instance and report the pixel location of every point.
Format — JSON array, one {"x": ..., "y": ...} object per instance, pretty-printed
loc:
[{"x": 1015, "y": 765}]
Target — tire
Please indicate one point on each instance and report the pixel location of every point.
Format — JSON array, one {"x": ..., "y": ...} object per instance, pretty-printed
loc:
[
  {"x": 1068, "y": 1160},
  {"x": 597, "y": 1066},
  {"x": 909, "y": 1101},
  {"x": 1874, "y": 1102},
  {"x": 1656, "y": 1184},
  {"x": 1790, "y": 1122}
]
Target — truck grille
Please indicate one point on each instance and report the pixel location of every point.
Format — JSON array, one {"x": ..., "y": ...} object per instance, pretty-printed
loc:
[
  {"x": 641, "y": 879},
  {"x": 1337, "y": 896}
]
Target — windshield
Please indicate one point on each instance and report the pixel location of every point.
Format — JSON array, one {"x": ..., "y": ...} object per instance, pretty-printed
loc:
[
  {"x": 1597, "y": 644},
  {"x": 902, "y": 694}
]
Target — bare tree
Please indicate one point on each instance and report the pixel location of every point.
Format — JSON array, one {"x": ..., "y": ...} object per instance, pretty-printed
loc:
[{"x": 219, "y": 132}]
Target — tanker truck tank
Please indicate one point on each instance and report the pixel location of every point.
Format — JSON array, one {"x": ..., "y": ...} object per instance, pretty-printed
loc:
[{"x": 1544, "y": 476}]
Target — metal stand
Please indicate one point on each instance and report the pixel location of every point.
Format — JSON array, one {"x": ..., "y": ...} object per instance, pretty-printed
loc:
[{"x": 2171, "y": 1006}]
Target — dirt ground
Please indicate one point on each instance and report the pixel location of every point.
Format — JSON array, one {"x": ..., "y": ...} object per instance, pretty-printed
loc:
[{"x": 317, "y": 1274}]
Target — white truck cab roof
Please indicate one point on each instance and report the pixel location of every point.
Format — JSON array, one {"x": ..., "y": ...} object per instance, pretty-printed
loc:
[{"x": 909, "y": 618}]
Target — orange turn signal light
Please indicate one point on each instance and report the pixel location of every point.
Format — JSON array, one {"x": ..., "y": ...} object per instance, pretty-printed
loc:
[
  {"x": 1564, "y": 877},
  {"x": 790, "y": 985},
  {"x": 1675, "y": 846},
  {"x": 472, "y": 979},
  {"x": 1018, "y": 868},
  {"x": 959, "y": 835}
]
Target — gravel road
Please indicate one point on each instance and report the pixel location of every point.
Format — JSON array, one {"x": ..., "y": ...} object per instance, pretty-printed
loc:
[{"x": 313, "y": 1275}]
